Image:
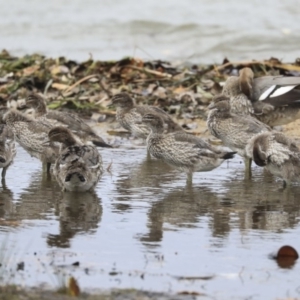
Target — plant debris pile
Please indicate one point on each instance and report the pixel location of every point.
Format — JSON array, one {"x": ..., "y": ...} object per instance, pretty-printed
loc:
[{"x": 182, "y": 90}]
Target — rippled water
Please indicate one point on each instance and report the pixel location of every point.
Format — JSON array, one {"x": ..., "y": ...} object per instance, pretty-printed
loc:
[
  {"x": 199, "y": 31},
  {"x": 143, "y": 228}
]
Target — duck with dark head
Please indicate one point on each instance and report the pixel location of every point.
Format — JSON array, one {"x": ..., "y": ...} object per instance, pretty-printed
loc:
[
  {"x": 233, "y": 130},
  {"x": 183, "y": 151}
]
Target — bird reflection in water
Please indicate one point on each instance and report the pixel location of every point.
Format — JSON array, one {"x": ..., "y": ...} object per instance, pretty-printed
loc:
[
  {"x": 78, "y": 213},
  {"x": 267, "y": 208},
  {"x": 7, "y": 206},
  {"x": 149, "y": 174},
  {"x": 182, "y": 208},
  {"x": 241, "y": 204},
  {"x": 38, "y": 199}
]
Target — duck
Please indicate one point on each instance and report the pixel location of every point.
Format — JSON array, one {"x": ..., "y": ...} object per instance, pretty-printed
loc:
[
  {"x": 67, "y": 119},
  {"x": 129, "y": 116},
  {"x": 240, "y": 104},
  {"x": 78, "y": 166},
  {"x": 180, "y": 150},
  {"x": 232, "y": 129},
  {"x": 278, "y": 154},
  {"x": 32, "y": 135},
  {"x": 7, "y": 150},
  {"x": 275, "y": 99}
]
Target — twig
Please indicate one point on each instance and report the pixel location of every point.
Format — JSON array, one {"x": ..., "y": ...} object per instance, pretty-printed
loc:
[
  {"x": 149, "y": 80},
  {"x": 288, "y": 67},
  {"x": 79, "y": 82},
  {"x": 146, "y": 70}
]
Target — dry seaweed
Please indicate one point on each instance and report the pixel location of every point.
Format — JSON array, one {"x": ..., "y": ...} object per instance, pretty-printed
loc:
[{"x": 87, "y": 86}]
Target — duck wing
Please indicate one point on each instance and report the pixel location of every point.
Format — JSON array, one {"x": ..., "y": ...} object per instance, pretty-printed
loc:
[
  {"x": 276, "y": 90},
  {"x": 172, "y": 126}
]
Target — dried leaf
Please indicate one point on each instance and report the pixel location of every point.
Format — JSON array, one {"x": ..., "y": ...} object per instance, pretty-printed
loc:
[{"x": 59, "y": 86}]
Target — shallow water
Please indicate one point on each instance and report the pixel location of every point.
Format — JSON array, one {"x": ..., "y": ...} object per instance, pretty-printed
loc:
[
  {"x": 143, "y": 228},
  {"x": 201, "y": 31}
]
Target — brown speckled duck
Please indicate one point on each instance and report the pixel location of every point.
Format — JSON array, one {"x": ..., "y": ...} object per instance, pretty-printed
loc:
[
  {"x": 69, "y": 120},
  {"x": 130, "y": 116},
  {"x": 239, "y": 102},
  {"x": 32, "y": 135},
  {"x": 78, "y": 166},
  {"x": 181, "y": 150},
  {"x": 7, "y": 149},
  {"x": 277, "y": 153},
  {"x": 234, "y": 130},
  {"x": 275, "y": 99}
]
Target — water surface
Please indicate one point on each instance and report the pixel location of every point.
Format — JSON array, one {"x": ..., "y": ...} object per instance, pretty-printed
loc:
[
  {"x": 144, "y": 228},
  {"x": 201, "y": 31}
]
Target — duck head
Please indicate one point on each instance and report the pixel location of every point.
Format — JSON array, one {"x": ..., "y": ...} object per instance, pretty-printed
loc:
[
  {"x": 13, "y": 116},
  {"x": 62, "y": 135},
  {"x": 36, "y": 102},
  {"x": 122, "y": 100},
  {"x": 246, "y": 81},
  {"x": 154, "y": 122},
  {"x": 220, "y": 104},
  {"x": 232, "y": 86}
]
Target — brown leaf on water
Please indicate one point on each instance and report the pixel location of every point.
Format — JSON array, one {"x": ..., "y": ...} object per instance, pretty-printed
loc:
[
  {"x": 191, "y": 293},
  {"x": 287, "y": 251},
  {"x": 286, "y": 256},
  {"x": 73, "y": 287}
]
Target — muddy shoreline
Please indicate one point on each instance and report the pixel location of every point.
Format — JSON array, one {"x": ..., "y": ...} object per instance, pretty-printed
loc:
[
  {"x": 184, "y": 92},
  {"x": 15, "y": 293}
]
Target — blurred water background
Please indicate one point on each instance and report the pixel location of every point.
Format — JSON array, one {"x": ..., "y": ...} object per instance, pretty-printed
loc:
[{"x": 198, "y": 31}]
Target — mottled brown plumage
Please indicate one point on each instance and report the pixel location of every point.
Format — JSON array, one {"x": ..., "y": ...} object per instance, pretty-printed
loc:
[
  {"x": 130, "y": 116},
  {"x": 7, "y": 149},
  {"x": 277, "y": 153},
  {"x": 234, "y": 130},
  {"x": 32, "y": 135},
  {"x": 181, "y": 150},
  {"x": 78, "y": 166},
  {"x": 239, "y": 102},
  {"x": 69, "y": 120}
]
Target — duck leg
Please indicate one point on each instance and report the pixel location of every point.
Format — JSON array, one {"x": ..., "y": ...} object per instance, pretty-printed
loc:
[
  {"x": 4, "y": 172},
  {"x": 189, "y": 179},
  {"x": 286, "y": 184},
  {"x": 48, "y": 168},
  {"x": 148, "y": 155},
  {"x": 248, "y": 172}
]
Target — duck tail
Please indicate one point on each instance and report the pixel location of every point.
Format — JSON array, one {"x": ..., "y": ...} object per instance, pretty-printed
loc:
[
  {"x": 102, "y": 144},
  {"x": 228, "y": 155}
]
